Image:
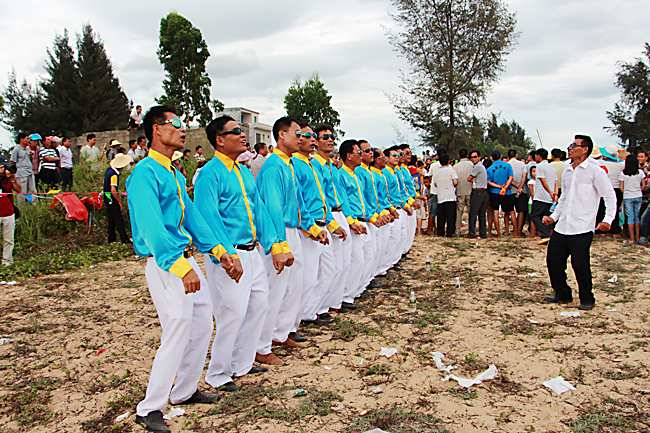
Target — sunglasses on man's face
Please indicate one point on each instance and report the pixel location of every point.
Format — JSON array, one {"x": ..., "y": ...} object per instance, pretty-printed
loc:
[
  {"x": 475, "y": 156},
  {"x": 574, "y": 145},
  {"x": 176, "y": 123},
  {"x": 327, "y": 137},
  {"x": 309, "y": 134},
  {"x": 394, "y": 154},
  {"x": 368, "y": 150},
  {"x": 234, "y": 131}
]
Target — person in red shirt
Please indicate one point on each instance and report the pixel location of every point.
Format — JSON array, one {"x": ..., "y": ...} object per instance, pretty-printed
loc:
[{"x": 8, "y": 185}]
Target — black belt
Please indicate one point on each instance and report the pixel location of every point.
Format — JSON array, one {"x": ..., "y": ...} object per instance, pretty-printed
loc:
[
  {"x": 189, "y": 252},
  {"x": 66, "y": 168},
  {"x": 479, "y": 189},
  {"x": 363, "y": 220},
  {"x": 246, "y": 247},
  {"x": 337, "y": 209},
  {"x": 398, "y": 207},
  {"x": 320, "y": 223}
]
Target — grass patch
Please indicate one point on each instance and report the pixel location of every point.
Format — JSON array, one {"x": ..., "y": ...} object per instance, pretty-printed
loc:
[
  {"x": 27, "y": 402},
  {"x": 124, "y": 402},
  {"x": 463, "y": 393},
  {"x": 600, "y": 421},
  {"x": 346, "y": 330},
  {"x": 396, "y": 420}
]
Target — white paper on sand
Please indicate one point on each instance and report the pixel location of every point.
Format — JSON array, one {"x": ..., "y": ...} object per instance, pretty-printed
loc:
[
  {"x": 559, "y": 385},
  {"x": 646, "y": 281},
  {"x": 378, "y": 390},
  {"x": 488, "y": 374},
  {"x": 437, "y": 356},
  {"x": 610, "y": 308},
  {"x": 338, "y": 408},
  {"x": 534, "y": 274},
  {"x": 387, "y": 352},
  {"x": 122, "y": 417},
  {"x": 174, "y": 412},
  {"x": 533, "y": 321},
  {"x": 327, "y": 368},
  {"x": 570, "y": 313},
  {"x": 613, "y": 279},
  {"x": 376, "y": 430}
]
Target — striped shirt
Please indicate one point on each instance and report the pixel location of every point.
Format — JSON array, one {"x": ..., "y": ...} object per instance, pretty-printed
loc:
[{"x": 42, "y": 153}]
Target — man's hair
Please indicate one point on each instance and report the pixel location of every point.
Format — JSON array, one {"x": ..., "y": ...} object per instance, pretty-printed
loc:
[
  {"x": 259, "y": 146},
  {"x": 346, "y": 148},
  {"x": 442, "y": 151},
  {"x": 361, "y": 141},
  {"x": 563, "y": 156},
  {"x": 186, "y": 151},
  {"x": 532, "y": 153},
  {"x": 556, "y": 153},
  {"x": 403, "y": 146},
  {"x": 141, "y": 138},
  {"x": 138, "y": 106},
  {"x": 543, "y": 153},
  {"x": 303, "y": 124},
  {"x": 512, "y": 153},
  {"x": 132, "y": 142},
  {"x": 216, "y": 127},
  {"x": 20, "y": 136},
  {"x": 156, "y": 114},
  {"x": 414, "y": 160},
  {"x": 323, "y": 127},
  {"x": 418, "y": 162},
  {"x": 90, "y": 137},
  {"x": 282, "y": 124},
  {"x": 65, "y": 139},
  {"x": 586, "y": 140},
  {"x": 444, "y": 159},
  {"x": 375, "y": 154},
  {"x": 198, "y": 147},
  {"x": 476, "y": 152},
  {"x": 462, "y": 153},
  {"x": 641, "y": 151}
]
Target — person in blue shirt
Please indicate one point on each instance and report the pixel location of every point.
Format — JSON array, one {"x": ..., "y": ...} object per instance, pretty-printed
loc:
[
  {"x": 278, "y": 188},
  {"x": 500, "y": 176},
  {"x": 398, "y": 199},
  {"x": 414, "y": 196},
  {"x": 226, "y": 188},
  {"x": 165, "y": 227}
]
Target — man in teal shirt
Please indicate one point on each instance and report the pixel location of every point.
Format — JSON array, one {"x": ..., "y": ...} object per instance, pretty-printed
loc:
[
  {"x": 392, "y": 229},
  {"x": 414, "y": 196}
]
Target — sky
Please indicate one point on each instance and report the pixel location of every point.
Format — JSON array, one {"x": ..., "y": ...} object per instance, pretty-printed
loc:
[{"x": 559, "y": 80}]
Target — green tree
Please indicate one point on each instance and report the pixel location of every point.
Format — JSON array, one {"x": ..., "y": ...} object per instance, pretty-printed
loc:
[
  {"x": 511, "y": 135},
  {"x": 631, "y": 115},
  {"x": 183, "y": 53},
  {"x": 311, "y": 102},
  {"x": 456, "y": 50},
  {"x": 101, "y": 103},
  {"x": 23, "y": 108}
]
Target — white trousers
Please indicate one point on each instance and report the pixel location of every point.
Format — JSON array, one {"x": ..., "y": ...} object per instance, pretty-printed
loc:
[
  {"x": 369, "y": 256},
  {"x": 404, "y": 225},
  {"x": 341, "y": 251},
  {"x": 186, "y": 322},
  {"x": 356, "y": 267},
  {"x": 8, "y": 229},
  {"x": 383, "y": 234},
  {"x": 412, "y": 225},
  {"x": 323, "y": 257},
  {"x": 239, "y": 311},
  {"x": 284, "y": 295}
]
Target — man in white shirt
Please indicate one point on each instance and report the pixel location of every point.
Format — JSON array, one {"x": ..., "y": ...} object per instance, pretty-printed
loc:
[
  {"x": 445, "y": 181},
  {"x": 464, "y": 188},
  {"x": 583, "y": 183},
  {"x": 260, "y": 155},
  {"x": 135, "y": 121},
  {"x": 517, "y": 187},
  {"x": 545, "y": 193},
  {"x": 90, "y": 153},
  {"x": 433, "y": 203},
  {"x": 65, "y": 172}
]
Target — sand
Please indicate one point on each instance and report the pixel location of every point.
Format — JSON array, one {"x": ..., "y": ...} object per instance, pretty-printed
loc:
[{"x": 82, "y": 343}]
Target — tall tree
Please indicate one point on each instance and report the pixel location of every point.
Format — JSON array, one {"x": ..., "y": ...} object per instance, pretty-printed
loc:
[
  {"x": 23, "y": 108},
  {"x": 311, "y": 102},
  {"x": 631, "y": 115},
  {"x": 183, "y": 53},
  {"x": 456, "y": 50},
  {"x": 101, "y": 103}
]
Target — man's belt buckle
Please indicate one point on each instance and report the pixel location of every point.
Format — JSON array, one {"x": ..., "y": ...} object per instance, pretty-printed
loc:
[
  {"x": 337, "y": 209},
  {"x": 246, "y": 247},
  {"x": 320, "y": 223},
  {"x": 189, "y": 252}
]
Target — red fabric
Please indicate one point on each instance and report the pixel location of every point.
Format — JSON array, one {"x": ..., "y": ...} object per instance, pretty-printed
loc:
[
  {"x": 96, "y": 200},
  {"x": 6, "y": 201},
  {"x": 75, "y": 209},
  {"x": 413, "y": 170}
]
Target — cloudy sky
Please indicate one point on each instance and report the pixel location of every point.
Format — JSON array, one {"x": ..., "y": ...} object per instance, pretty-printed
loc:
[{"x": 559, "y": 79}]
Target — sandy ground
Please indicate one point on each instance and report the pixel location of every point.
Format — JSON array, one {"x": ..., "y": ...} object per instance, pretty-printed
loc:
[{"x": 81, "y": 346}]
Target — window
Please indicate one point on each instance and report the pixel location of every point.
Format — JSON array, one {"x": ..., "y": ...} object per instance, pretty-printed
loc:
[
  {"x": 258, "y": 138},
  {"x": 254, "y": 119}
]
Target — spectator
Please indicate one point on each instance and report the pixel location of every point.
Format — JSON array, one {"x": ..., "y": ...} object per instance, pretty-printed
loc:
[
  {"x": 199, "y": 166},
  {"x": 426, "y": 199},
  {"x": 518, "y": 188},
  {"x": 558, "y": 164},
  {"x": 133, "y": 148},
  {"x": 8, "y": 185},
  {"x": 113, "y": 149},
  {"x": 261, "y": 151},
  {"x": 445, "y": 180},
  {"x": 613, "y": 167},
  {"x": 135, "y": 121},
  {"x": 500, "y": 178},
  {"x": 21, "y": 157},
  {"x": 34, "y": 146},
  {"x": 47, "y": 173},
  {"x": 531, "y": 191},
  {"x": 433, "y": 210},
  {"x": 199, "y": 154},
  {"x": 65, "y": 174},
  {"x": 90, "y": 152},
  {"x": 545, "y": 194},
  {"x": 270, "y": 148},
  {"x": 112, "y": 200},
  {"x": 479, "y": 198},
  {"x": 185, "y": 162},
  {"x": 464, "y": 189},
  {"x": 642, "y": 156},
  {"x": 632, "y": 182}
]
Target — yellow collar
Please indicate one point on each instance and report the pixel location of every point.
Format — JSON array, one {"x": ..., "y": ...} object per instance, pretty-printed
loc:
[
  {"x": 392, "y": 170},
  {"x": 228, "y": 162},
  {"x": 161, "y": 159},
  {"x": 376, "y": 170},
  {"x": 283, "y": 156},
  {"x": 301, "y": 157},
  {"x": 404, "y": 165},
  {"x": 364, "y": 166},
  {"x": 320, "y": 159},
  {"x": 346, "y": 168}
]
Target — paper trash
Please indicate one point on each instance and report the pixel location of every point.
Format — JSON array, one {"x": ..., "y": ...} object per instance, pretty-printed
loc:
[
  {"x": 338, "y": 408},
  {"x": 613, "y": 279},
  {"x": 327, "y": 368},
  {"x": 534, "y": 274},
  {"x": 559, "y": 385},
  {"x": 4, "y": 341},
  {"x": 122, "y": 417},
  {"x": 378, "y": 390},
  {"x": 437, "y": 356},
  {"x": 570, "y": 313},
  {"x": 610, "y": 308},
  {"x": 533, "y": 321},
  {"x": 488, "y": 374},
  {"x": 376, "y": 430},
  {"x": 646, "y": 281},
  {"x": 387, "y": 352},
  {"x": 175, "y": 411}
]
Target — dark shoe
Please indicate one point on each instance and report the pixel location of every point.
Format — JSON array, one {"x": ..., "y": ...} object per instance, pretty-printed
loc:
[
  {"x": 556, "y": 300},
  {"x": 375, "y": 285},
  {"x": 297, "y": 337},
  {"x": 348, "y": 306},
  {"x": 257, "y": 370},
  {"x": 367, "y": 294},
  {"x": 318, "y": 321},
  {"x": 228, "y": 387},
  {"x": 397, "y": 268},
  {"x": 201, "y": 398},
  {"x": 325, "y": 316},
  {"x": 153, "y": 422},
  {"x": 585, "y": 307},
  {"x": 405, "y": 257},
  {"x": 340, "y": 310}
]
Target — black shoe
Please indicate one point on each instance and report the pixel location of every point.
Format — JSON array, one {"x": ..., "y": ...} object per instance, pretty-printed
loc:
[
  {"x": 297, "y": 337},
  {"x": 405, "y": 257},
  {"x": 386, "y": 275},
  {"x": 257, "y": 370},
  {"x": 586, "y": 306},
  {"x": 397, "y": 268},
  {"x": 375, "y": 285},
  {"x": 201, "y": 398},
  {"x": 153, "y": 422},
  {"x": 348, "y": 306},
  {"x": 228, "y": 387},
  {"x": 367, "y": 294},
  {"x": 318, "y": 321},
  {"x": 326, "y": 316},
  {"x": 340, "y": 310},
  {"x": 556, "y": 300}
]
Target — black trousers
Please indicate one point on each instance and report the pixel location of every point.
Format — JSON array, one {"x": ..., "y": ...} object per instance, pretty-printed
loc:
[
  {"x": 66, "y": 178},
  {"x": 115, "y": 221},
  {"x": 49, "y": 178},
  {"x": 560, "y": 247},
  {"x": 600, "y": 216},
  {"x": 447, "y": 213},
  {"x": 478, "y": 202},
  {"x": 539, "y": 211}
]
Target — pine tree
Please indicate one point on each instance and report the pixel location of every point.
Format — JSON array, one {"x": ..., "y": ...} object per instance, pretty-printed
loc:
[
  {"x": 311, "y": 103},
  {"x": 23, "y": 108}
]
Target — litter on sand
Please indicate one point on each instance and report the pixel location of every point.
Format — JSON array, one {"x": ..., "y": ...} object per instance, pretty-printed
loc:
[
  {"x": 559, "y": 385},
  {"x": 534, "y": 274},
  {"x": 387, "y": 352},
  {"x": 134, "y": 293},
  {"x": 4, "y": 341},
  {"x": 376, "y": 430},
  {"x": 437, "y": 356},
  {"x": 570, "y": 313},
  {"x": 174, "y": 412},
  {"x": 361, "y": 363},
  {"x": 11, "y": 283},
  {"x": 327, "y": 368},
  {"x": 299, "y": 393},
  {"x": 533, "y": 321},
  {"x": 122, "y": 417},
  {"x": 613, "y": 279},
  {"x": 646, "y": 281},
  {"x": 610, "y": 308},
  {"x": 378, "y": 390},
  {"x": 99, "y": 352},
  {"x": 488, "y": 374},
  {"x": 338, "y": 408}
]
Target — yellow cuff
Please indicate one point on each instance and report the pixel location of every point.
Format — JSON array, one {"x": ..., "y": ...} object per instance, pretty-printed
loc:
[
  {"x": 410, "y": 201},
  {"x": 384, "y": 212},
  {"x": 333, "y": 226},
  {"x": 276, "y": 249},
  {"x": 373, "y": 219},
  {"x": 315, "y": 230},
  {"x": 285, "y": 247},
  {"x": 180, "y": 267},
  {"x": 393, "y": 209},
  {"x": 235, "y": 256},
  {"x": 350, "y": 220},
  {"x": 406, "y": 206},
  {"x": 218, "y": 251}
]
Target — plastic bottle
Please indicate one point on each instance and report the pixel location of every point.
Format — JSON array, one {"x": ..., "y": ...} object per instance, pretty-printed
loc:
[
  {"x": 412, "y": 303},
  {"x": 458, "y": 289},
  {"x": 553, "y": 207},
  {"x": 428, "y": 264}
]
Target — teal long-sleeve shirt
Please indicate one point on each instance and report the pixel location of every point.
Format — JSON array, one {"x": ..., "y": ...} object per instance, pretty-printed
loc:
[
  {"x": 309, "y": 179},
  {"x": 394, "y": 190},
  {"x": 368, "y": 187},
  {"x": 382, "y": 189},
  {"x": 352, "y": 188},
  {"x": 408, "y": 181},
  {"x": 332, "y": 186},
  {"x": 226, "y": 188},
  {"x": 164, "y": 221}
]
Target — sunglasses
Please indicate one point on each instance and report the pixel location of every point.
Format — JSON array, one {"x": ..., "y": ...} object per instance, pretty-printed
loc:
[
  {"x": 395, "y": 154},
  {"x": 234, "y": 131},
  {"x": 475, "y": 156},
  {"x": 309, "y": 134},
  {"x": 368, "y": 150},
  {"x": 176, "y": 122},
  {"x": 574, "y": 145},
  {"x": 327, "y": 136}
]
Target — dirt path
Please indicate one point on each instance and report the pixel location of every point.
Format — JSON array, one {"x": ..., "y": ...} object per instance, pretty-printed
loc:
[{"x": 81, "y": 346}]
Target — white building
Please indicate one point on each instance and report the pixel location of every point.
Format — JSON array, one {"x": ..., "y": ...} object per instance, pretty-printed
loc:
[{"x": 256, "y": 132}]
